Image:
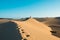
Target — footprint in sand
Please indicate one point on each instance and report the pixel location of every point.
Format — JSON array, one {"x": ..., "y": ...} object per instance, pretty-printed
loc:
[
  {"x": 22, "y": 29},
  {"x": 23, "y": 32},
  {"x": 27, "y": 35},
  {"x": 18, "y": 28},
  {"x": 24, "y": 39}
]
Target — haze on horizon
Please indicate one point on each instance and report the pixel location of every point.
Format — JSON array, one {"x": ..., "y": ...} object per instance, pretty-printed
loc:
[{"x": 26, "y": 8}]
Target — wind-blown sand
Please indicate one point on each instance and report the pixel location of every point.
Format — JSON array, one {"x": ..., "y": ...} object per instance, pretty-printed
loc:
[{"x": 36, "y": 30}]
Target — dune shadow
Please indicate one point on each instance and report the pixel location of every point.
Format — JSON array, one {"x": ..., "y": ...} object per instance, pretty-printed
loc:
[
  {"x": 55, "y": 31},
  {"x": 9, "y": 31}
]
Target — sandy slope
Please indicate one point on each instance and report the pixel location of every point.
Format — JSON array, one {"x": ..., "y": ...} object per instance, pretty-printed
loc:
[{"x": 36, "y": 30}]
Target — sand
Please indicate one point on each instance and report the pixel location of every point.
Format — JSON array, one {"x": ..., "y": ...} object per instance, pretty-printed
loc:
[
  {"x": 3, "y": 21},
  {"x": 36, "y": 30}
]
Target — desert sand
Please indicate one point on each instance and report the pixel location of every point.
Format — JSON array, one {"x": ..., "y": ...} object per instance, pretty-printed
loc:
[
  {"x": 35, "y": 30},
  {"x": 3, "y": 20}
]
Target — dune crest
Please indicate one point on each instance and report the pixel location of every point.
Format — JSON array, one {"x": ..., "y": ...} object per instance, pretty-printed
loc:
[{"x": 36, "y": 30}]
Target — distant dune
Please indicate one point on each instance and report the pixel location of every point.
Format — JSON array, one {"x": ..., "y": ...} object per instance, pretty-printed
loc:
[{"x": 3, "y": 20}]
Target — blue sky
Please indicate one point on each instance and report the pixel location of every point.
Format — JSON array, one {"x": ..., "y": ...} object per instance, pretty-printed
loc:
[{"x": 26, "y": 8}]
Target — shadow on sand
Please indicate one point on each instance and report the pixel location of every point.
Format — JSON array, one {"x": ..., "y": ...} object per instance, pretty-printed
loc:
[
  {"x": 55, "y": 31},
  {"x": 9, "y": 31}
]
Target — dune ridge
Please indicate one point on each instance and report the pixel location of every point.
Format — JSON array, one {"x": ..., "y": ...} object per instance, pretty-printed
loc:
[{"x": 36, "y": 30}]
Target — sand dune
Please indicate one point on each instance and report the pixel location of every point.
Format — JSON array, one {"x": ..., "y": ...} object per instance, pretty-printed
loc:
[{"x": 36, "y": 30}]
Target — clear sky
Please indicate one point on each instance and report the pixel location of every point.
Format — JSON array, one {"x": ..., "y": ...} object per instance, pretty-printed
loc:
[{"x": 26, "y": 8}]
